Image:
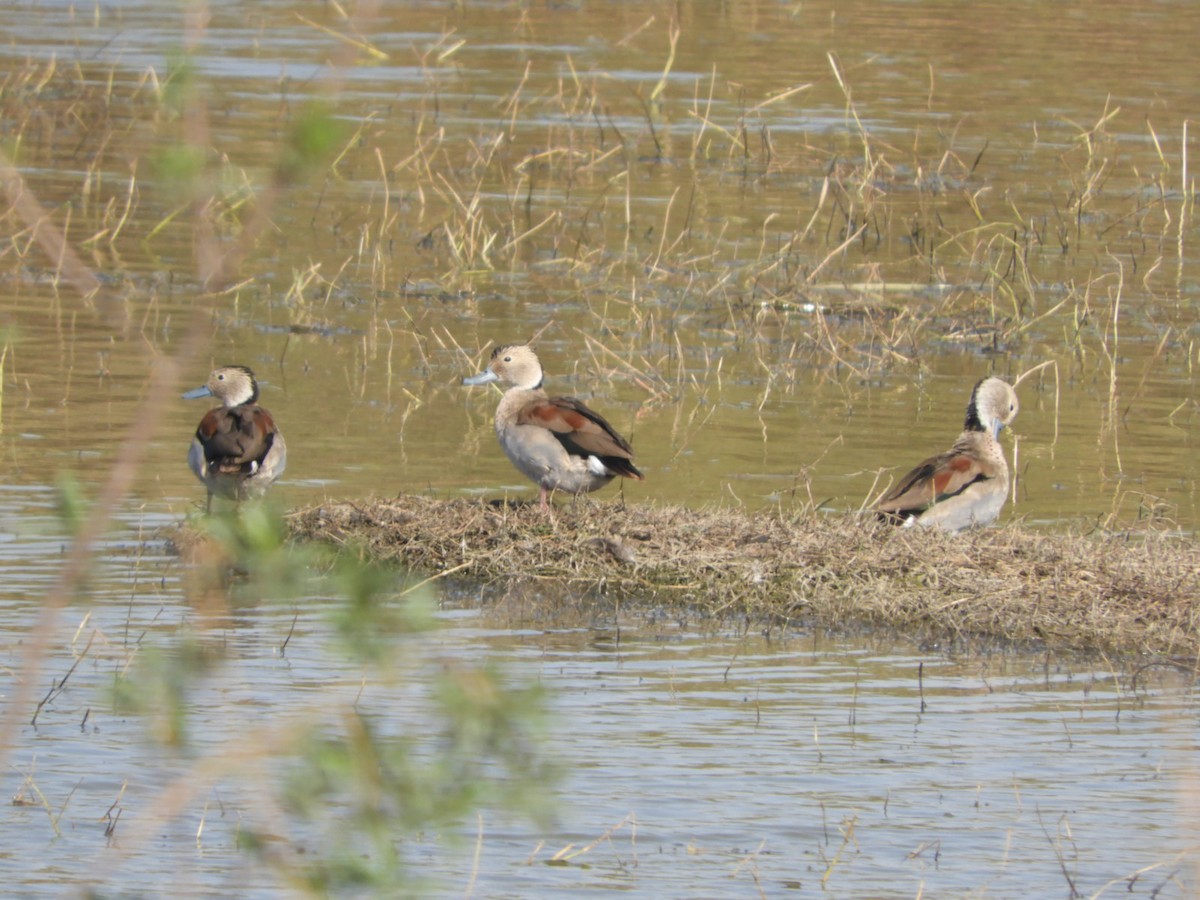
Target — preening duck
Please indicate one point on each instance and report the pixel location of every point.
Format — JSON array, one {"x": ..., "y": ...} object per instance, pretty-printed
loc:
[{"x": 967, "y": 485}]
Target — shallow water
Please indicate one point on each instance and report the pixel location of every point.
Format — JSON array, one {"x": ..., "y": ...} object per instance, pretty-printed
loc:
[
  {"x": 784, "y": 765},
  {"x": 680, "y": 301},
  {"x": 701, "y": 763}
]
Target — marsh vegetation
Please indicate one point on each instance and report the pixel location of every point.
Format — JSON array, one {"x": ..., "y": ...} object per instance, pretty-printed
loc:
[
  {"x": 776, "y": 244},
  {"x": 1066, "y": 592}
]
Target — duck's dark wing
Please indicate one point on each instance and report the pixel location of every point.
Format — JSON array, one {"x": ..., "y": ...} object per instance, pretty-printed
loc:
[
  {"x": 582, "y": 432},
  {"x": 936, "y": 479}
]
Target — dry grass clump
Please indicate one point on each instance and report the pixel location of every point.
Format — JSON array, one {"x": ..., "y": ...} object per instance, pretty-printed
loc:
[{"x": 1104, "y": 591}]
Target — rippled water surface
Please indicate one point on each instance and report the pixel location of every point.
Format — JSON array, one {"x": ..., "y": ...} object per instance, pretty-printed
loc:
[
  {"x": 777, "y": 253},
  {"x": 692, "y": 762}
]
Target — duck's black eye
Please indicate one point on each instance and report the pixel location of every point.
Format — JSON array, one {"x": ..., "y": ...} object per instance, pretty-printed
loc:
[
  {"x": 508, "y": 359},
  {"x": 220, "y": 378}
]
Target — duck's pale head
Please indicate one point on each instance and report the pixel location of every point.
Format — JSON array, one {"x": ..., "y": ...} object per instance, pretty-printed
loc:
[
  {"x": 232, "y": 385},
  {"x": 514, "y": 364},
  {"x": 993, "y": 405}
]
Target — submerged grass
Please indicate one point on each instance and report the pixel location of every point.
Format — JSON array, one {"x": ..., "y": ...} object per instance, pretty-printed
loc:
[{"x": 1114, "y": 592}]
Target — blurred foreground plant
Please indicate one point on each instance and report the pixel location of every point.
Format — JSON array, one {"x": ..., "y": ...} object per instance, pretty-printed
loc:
[
  {"x": 337, "y": 784},
  {"x": 345, "y": 782}
]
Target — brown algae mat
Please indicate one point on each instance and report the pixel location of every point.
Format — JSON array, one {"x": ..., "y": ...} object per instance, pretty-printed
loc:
[{"x": 1124, "y": 593}]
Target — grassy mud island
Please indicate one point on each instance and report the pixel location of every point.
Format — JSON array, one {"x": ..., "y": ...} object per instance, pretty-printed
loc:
[{"x": 1123, "y": 593}]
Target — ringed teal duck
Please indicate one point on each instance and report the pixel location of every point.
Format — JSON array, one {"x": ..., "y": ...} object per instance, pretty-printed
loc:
[
  {"x": 968, "y": 484},
  {"x": 237, "y": 451},
  {"x": 556, "y": 442}
]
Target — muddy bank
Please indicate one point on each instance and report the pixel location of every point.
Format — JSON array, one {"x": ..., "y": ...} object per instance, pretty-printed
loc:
[{"x": 1121, "y": 593}]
